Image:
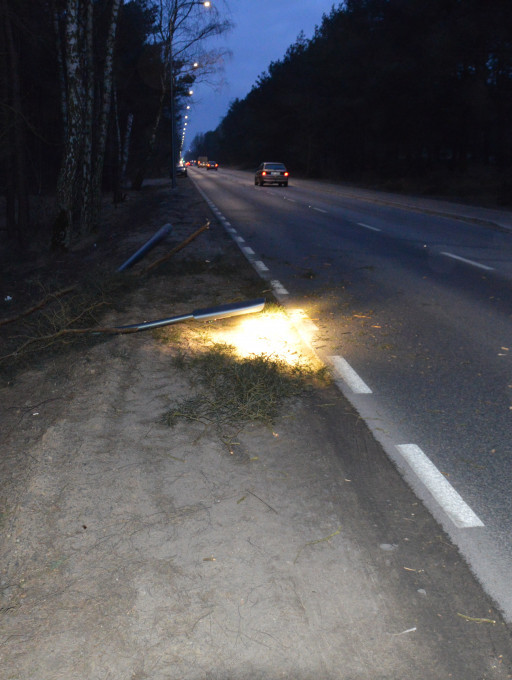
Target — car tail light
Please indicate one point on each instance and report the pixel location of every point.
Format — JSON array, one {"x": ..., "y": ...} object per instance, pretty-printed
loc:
[
  {"x": 286, "y": 174},
  {"x": 264, "y": 172}
]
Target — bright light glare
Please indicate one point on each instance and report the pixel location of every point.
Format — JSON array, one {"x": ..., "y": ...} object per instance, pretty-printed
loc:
[{"x": 271, "y": 334}]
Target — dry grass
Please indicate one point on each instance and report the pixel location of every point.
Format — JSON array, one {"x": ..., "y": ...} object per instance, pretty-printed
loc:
[{"x": 233, "y": 391}]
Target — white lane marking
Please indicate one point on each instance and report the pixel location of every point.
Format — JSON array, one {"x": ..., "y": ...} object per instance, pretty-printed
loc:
[
  {"x": 307, "y": 323},
  {"x": 450, "y": 500},
  {"x": 278, "y": 287},
  {"x": 289, "y": 199},
  {"x": 347, "y": 373},
  {"x": 260, "y": 266},
  {"x": 471, "y": 262},
  {"x": 368, "y": 226},
  {"x": 318, "y": 209},
  {"x": 257, "y": 264}
]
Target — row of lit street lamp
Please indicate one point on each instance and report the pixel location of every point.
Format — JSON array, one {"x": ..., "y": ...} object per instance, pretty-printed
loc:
[{"x": 207, "y": 4}]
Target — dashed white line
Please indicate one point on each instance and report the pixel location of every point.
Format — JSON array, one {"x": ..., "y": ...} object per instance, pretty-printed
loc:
[
  {"x": 260, "y": 266},
  {"x": 450, "y": 500},
  {"x": 350, "y": 377},
  {"x": 471, "y": 262},
  {"x": 318, "y": 209},
  {"x": 248, "y": 251},
  {"x": 368, "y": 226},
  {"x": 278, "y": 287},
  {"x": 239, "y": 239}
]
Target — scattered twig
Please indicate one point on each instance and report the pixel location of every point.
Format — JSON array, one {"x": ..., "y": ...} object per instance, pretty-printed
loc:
[
  {"x": 475, "y": 620},
  {"x": 52, "y": 337},
  {"x": 262, "y": 501},
  {"x": 175, "y": 250},
  {"x": 49, "y": 298},
  {"x": 319, "y": 540},
  {"x": 409, "y": 630}
]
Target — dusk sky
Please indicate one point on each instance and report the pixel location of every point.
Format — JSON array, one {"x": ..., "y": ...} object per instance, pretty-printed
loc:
[{"x": 263, "y": 31}]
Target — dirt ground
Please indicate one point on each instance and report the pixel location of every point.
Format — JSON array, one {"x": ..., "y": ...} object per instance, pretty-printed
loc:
[{"x": 132, "y": 550}]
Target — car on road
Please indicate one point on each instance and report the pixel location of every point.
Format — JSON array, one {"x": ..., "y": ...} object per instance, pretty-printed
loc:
[
  {"x": 212, "y": 165},
  {"x": 181, "y": 171},
  {"x": 271, "y": 173}
]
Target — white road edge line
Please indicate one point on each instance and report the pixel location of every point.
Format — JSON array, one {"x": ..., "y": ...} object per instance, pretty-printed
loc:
[
  {"x": 260, "y": 266},
  {"x": 248, "y": 252},
  {"x": 450, "y": 500},
  {"x": 471, "y": 262},
  {"x": 347, "y": 373},
  {"x": 319, "y": 210},
  {"x": 278, "y": 287},
  {"x": 368, "y": 226}
]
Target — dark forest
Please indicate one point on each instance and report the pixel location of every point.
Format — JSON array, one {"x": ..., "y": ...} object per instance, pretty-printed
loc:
[
  {"x": 386, "y": 91},
  {"x": 86, "y": 89}
]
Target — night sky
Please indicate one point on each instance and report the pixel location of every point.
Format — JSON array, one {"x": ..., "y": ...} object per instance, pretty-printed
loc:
[{"x": 263, "y": 31}]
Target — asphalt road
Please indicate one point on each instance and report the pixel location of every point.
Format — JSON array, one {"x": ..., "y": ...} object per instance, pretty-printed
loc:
[{"x": 413, "y": 310}]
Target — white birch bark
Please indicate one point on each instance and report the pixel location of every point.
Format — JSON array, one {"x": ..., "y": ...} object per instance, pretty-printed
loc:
[
  {"x": 61, "y": 69},
  {"x": 104, "y": 111},
  {"x": 63, "y": 225},
  {"x": 126, "y": 147},
  {"x": 86, "y": 180}
]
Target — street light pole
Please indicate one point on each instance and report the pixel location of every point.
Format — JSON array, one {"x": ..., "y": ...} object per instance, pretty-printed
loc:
[
  {"x": 172, "y": 87},
  {"x": 173, "y": 119}
]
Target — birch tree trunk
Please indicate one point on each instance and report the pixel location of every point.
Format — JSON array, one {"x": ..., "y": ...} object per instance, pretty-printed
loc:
[
  {"x": 63, "y": 224},
  {"x": 86, "y": 178},
  {"x": 126, "y": 147},
  {"x": 108, "y": 77},
  {"x": 17, "y": 193},
  {"x": 61, "y": 69}
]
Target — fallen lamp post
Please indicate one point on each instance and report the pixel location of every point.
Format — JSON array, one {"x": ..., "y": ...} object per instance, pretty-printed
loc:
[
  {"x": 160, "y": 234},
  {"x": 220, "y": 312}
]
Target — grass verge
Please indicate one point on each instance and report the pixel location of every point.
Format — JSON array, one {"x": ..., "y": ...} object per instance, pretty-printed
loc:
[{"x": 233, "y": 391}]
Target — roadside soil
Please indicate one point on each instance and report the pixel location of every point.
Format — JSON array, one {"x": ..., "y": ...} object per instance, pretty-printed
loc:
[{"x": 132, "y": 550}]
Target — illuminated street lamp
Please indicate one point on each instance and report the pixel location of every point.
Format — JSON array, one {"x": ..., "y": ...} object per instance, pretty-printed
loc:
[{"x": 207, "y": 4}]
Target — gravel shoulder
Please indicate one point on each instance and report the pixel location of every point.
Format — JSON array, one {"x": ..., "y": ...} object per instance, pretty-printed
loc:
[{"x": 133, "y": 550}]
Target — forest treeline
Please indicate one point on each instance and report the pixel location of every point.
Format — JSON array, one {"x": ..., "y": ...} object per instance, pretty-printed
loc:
[
  {"x": 86, "y": 88},
  {"x": 384, "y": 89}
]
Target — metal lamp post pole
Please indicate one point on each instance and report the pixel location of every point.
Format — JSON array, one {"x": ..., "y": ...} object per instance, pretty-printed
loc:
[
  {"x": 207, "y": 4},
  {"x": 173, "y": 116}
]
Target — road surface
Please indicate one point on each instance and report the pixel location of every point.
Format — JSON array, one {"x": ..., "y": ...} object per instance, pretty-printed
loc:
[{"x": 412, "y": 308}]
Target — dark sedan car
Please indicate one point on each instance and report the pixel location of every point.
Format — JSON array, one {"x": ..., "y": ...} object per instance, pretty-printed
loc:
[
  {"x": 212, "y": 165},
  {"x": 271, "y": 173}
]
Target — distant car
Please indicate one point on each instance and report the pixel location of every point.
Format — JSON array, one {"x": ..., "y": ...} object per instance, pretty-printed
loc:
[
  {"x": 212, "y": 165},
  {"x": 271, "y": 173},
  {"x": 181, "y": 171}
]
